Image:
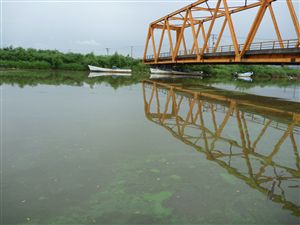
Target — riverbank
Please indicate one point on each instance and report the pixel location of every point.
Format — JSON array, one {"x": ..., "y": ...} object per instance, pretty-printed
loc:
[
  {"x": 20, "y": 58},
  {"x": 32, "y": 77}
]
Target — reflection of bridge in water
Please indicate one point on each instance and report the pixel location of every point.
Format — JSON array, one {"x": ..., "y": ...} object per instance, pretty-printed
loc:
[{"x": 252, "y": 141}]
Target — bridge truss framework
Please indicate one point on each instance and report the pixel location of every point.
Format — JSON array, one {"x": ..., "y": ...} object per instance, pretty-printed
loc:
[{"x": 177, "y": 23}]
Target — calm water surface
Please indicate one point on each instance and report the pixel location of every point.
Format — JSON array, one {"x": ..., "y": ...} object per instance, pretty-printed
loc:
[
  {"x": 148, "y": 153},
  {"x": 290, "y": 92}
]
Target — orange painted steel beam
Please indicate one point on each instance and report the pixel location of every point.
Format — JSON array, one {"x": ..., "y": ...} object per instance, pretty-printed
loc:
[
  {"x": 153, "y": 43},
  {"x": 194, "y": 34},
  {"x": 161, "y": 39},
  {"x": 255, "y": 25},
  {"x": 275, "y": 25},
  {"x": 197, "y": 35},
  {"x": 170, "y": 38},
  {"x": 294, "y": 18},
  {"x": 233, "y": 36},
  {"x": 180, "y": 35}
]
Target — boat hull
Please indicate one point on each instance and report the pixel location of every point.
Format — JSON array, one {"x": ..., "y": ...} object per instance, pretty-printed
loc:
[
  {"x": 158, "y": 71},
  {"x": 107, "y": 70},
  {"x": 174, "y": 72},
  {"x": 170, "y": 76},
  {"x": 105, "y": 74}
]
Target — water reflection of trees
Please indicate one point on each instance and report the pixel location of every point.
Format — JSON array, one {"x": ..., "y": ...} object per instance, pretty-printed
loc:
[
  {"x": 254, "y": 142},
  {"x": 24, "y": 78}
]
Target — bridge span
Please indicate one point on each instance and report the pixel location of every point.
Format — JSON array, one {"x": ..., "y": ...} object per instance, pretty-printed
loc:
[{"x": 177, "y": 30}]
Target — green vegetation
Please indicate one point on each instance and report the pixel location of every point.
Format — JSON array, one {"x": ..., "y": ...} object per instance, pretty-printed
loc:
[
  {"x": 52, "y": 59},
  {"x": 261, "y": 72}
]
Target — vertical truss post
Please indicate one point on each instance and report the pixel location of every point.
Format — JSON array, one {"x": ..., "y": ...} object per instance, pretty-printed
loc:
[
  {"x": 197, "y": 35},
  {"x": 204, "y": 36},
  {"x": 184, "y": 44},
  {"x": 170, "y": 38},
  {"x": 180, "y": 35},
  {"x": 232, "y": 32},
  {"x": 161, "y": 38},
  {"x": 195, "y": 43},
  {"x": 153, "y": 44},
  {"x": 182, "y": 39},
  {"x": 147, "y": 43},
  {"x": 276, "y": 26}
]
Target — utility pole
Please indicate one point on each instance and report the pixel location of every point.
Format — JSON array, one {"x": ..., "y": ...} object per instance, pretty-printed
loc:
[
  {"x": 213, "y": 38},
  {"x": 107, "y": 51},
  {"x": 131, "y": 51}
]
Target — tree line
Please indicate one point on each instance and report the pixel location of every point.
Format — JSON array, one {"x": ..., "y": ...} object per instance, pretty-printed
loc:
[{"x": 30, "y": 58}]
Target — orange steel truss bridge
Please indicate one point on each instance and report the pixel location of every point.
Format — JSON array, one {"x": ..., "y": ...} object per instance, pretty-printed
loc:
[
  {"x": 187, "y": 33},
  {"x": 233, "y": 133}
]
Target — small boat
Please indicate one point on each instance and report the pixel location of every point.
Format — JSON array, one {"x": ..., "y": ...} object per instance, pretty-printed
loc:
[
  {"x": 174, "y": 72},
  {"x": 104, "y": 74},
  {"x": 159, "y": 71},
  {"x": 107, "y": 70},
  {"x": 170, "y": 76},
  {"x": 247, "y": 74}
]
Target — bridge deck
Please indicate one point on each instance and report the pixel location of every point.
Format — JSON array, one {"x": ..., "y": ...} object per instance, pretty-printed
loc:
[{"x": 271, "y": 52}]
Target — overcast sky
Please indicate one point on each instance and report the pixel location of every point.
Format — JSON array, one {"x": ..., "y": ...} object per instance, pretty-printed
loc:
[{"x": 85, "y": 26}]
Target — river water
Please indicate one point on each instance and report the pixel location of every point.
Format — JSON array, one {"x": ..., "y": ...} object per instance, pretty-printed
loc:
[{"x": 118, "y": 151}]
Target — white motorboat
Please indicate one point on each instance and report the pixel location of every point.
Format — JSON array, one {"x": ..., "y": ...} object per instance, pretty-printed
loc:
[
  {"x": 104, "y": 74},
  {"x": 170, "y": 76},
  {"x": 174, "y": 72},
  {"x": 159, "y": 71},
  {"x": 107, "y": 70},
  {"x": 247, "y": 74}
]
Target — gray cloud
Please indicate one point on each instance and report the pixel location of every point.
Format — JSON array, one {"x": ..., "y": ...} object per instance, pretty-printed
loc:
[{"x": 85, "y": 26}]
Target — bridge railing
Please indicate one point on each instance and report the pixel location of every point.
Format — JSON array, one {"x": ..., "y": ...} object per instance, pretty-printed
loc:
[{"x": 266, "y": 45}]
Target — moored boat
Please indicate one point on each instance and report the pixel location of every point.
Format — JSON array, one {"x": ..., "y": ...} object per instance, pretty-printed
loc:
[
  {"x": 186, "y": 73},
  {"x": 170, "y": 76},
  {"x": 104, "y": 74},
  {"x": 159, "y": 71},
  {"x": 107, "y": 70},
  {"x": 174, "y": 72}
]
